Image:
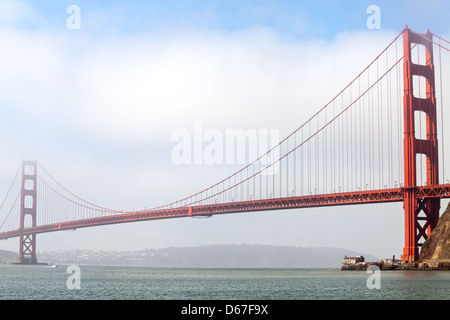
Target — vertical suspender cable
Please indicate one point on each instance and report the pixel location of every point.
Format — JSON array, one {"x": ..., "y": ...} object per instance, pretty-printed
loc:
[{"x": 442, "y": 113}]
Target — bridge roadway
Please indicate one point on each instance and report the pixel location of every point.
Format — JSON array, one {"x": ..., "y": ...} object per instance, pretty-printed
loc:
[{"x": 323, "y": 200}]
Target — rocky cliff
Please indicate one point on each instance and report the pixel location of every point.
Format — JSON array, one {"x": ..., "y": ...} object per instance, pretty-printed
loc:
[
  {"x": 437, "y": 246},
  {"x": 435, "y": 252}
]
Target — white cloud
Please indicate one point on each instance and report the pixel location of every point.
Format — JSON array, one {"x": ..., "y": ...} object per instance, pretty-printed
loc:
[
  {"x": 137, "y": 90},
  {"x": 13, "y": 12},
  {"x": 142, "y": 88}
]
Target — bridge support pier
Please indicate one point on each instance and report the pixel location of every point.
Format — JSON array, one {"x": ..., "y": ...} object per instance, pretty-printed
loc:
[
  {"x": 421, "y": 214},
  {"x": 28, "y": 199},
  {"x": 421, "y": 217}
]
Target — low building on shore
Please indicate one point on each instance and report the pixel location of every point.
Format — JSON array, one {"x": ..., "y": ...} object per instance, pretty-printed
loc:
[{"x": 353, "y": 260}]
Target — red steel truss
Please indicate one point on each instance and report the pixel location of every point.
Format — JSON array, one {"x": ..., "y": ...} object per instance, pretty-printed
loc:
[{"x": 334, "y": 199}]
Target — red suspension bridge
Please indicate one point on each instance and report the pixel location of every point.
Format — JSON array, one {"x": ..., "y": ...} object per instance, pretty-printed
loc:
[{"x": 376, "y": 141}]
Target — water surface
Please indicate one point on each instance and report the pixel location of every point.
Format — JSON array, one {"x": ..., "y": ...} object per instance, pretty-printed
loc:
[{"x": 146, "y": 283}]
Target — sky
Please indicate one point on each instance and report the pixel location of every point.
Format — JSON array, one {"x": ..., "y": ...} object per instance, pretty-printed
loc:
[{"x": 96, "y": 100}]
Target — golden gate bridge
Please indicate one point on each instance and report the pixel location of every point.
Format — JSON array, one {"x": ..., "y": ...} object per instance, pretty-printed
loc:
[{"x": 376, "y": 141}]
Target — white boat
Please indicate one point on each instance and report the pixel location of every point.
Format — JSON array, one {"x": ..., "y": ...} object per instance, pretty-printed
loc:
[{"x": 51, "y": 265}]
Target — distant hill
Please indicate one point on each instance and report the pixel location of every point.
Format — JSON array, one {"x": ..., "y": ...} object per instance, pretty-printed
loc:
[
  {"x": 7, "y": 256},
  {"x": 225, "y": 256}
]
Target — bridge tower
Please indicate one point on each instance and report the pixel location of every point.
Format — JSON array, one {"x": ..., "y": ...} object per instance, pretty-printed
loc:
[
  {"x": 421, "y": 214},
  {"x": 28, "y": 199}
]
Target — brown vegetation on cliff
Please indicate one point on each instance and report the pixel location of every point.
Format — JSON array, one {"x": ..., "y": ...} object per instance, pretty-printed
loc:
[
  {"x": 437, "y": 246},
  {"x": 435, "y": 252}
]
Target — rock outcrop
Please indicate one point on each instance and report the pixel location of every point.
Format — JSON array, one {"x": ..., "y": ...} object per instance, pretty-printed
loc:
[
  {"x": 437, "y": 246},
  {"x": 434, "y": 255},
  {"x": 383, "y": 264},
  {"x": 435, "y": 252}
]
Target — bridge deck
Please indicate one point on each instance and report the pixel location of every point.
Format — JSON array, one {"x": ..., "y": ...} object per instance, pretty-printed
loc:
[{"x": 325, "y": 200}]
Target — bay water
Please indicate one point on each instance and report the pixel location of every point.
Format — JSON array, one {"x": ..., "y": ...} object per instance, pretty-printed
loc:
[{"x": 21, "y": 282}]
